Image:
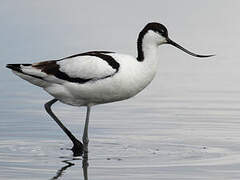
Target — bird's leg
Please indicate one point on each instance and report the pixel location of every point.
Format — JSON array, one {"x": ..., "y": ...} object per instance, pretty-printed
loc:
[
  {"x": 85, "y": 168},
  {"x": 85, "y": 134},
  {"x": 77, "y": 145}
]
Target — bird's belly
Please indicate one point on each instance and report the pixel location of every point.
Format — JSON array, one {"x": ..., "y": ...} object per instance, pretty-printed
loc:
[{"x": 96, "y": 92}]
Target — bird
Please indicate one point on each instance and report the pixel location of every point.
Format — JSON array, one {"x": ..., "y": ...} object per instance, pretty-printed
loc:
[{"x": 98, "y": 77}]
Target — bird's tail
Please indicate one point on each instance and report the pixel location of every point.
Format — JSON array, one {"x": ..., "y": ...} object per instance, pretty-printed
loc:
[
  {"x": 17, "y": 67},
  {"x": 29, "y": 73}
]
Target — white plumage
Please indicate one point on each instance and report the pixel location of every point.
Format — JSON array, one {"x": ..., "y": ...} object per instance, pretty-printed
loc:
[{"x": 86, "y": 67}]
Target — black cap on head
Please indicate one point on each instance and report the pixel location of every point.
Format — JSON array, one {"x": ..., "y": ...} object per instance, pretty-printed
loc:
[{"x": 156, "y": 27}]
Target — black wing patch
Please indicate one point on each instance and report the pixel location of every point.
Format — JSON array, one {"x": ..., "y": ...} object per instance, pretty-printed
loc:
[
  {"x": 52, "y": 68},
  {"x": 101, "y": 54}
]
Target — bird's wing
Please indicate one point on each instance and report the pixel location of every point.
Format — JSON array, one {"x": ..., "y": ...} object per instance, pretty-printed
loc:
[{"x": 80, "y": 68}]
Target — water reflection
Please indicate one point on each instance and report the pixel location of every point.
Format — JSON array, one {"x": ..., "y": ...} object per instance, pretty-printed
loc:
[
  {"x": 60, "y": 171},
  {"x": 69, "y": 163}
]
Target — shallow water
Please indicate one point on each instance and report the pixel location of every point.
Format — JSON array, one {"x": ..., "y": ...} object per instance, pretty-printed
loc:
[{"x": 161, "y": 134}]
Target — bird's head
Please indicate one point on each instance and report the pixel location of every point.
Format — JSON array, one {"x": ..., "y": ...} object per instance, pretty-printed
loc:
[{"x": 157, "y": 34}]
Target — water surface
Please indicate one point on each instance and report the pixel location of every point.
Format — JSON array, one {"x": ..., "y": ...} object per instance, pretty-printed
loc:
[{"x": 160, "y": 134}]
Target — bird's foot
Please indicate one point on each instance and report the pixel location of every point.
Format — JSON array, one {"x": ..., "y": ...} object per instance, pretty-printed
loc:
[{"x": 77, "y": 148}]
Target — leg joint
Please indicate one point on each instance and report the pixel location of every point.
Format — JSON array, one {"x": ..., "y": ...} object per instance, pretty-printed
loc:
[{"x": 85, "y": 140}]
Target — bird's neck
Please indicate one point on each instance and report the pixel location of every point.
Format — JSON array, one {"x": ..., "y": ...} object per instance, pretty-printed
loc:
[
  {"x": 147, "y": 51},
  {"x": 147, "y": 60},
  {"x": 146, "y": 45}
]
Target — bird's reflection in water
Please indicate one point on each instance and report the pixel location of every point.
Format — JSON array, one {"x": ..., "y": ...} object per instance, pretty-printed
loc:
[{"x": 69, "y": 163}]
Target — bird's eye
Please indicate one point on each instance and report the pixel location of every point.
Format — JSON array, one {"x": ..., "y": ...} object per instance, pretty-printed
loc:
[{"x": 161, "y": 31}]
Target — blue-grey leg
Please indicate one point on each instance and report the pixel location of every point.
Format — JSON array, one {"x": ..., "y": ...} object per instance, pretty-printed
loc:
[
  {"x": 85, "y": 134},
  {"x": 77, "y": 145},
  {"x": 85, "y": 168}
]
